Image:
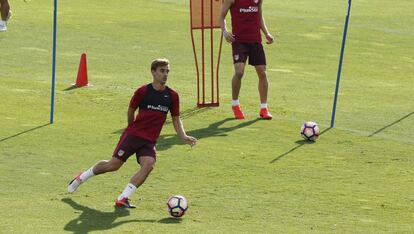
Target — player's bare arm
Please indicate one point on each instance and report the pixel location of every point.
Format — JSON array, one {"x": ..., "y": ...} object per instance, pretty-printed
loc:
[
  {"x": 269, "y": 38},
  {"x": 131, "y": 115},
  {"x": 179, "y": 128},
  {"x": 222, "y": 19}
]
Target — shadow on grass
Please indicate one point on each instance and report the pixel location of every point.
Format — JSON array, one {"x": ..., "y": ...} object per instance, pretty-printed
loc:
[
  {"x": 213, "y": 130},
  {"x": 21, "y": 133},
  {"x": 190, "y": 112},
  {"x": 391, "y": 124},
  {"x": 94, "y": 220},
  {"x": 300, "y": 144},
  {"x": 70, "y": 88},
  {"x": 183, "y": 115},
  {"x": 170, "y": 220}
]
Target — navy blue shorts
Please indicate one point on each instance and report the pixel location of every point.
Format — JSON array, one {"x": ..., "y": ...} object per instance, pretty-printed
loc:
[
  {"x": 130, "y": 144},
  {"x": 253, "y": 51}
]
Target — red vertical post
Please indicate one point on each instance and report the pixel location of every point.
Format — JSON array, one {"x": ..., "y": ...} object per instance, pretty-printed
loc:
[
  {"x": 204, "y": 18},
  {"x": 202, "y": 51}
]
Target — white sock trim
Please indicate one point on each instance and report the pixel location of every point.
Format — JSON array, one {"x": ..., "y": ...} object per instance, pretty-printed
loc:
[
  {"x": 263, "y": 105},
  {"x": 235, "y": 102},
  {"x": 128, "y": 191},
  {"x": 87, "y": 174}
]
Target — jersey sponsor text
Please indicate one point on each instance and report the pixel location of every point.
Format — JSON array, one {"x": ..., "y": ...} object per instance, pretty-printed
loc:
[
  {"x": 158, "y": 108},
  {"x": 250, "y": 9}
]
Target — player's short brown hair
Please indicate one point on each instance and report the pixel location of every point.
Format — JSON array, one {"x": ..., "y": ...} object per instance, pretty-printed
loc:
[{"x": 160, "y": 62}]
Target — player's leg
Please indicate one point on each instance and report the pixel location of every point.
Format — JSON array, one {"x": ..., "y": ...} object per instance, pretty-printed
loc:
[
  {"x": 123, "y": 150},
  {"x": 146, "y": 162},
  {"x": 7, "y": 10},
  {"x": 4, "y": 8},
  {"x": 147, "y": 165},
  {"x": 100, "y": 167},
  {"x": 104, "y": 166},
  {"x": 257, "y": 58},
  {"x": 235, "y": 89},
  {"x": 4, "y": 12},
  {"x": 263, "y": 90},
  {"x": 239, "y": 51},
  {"x": 263, "y": 82},
  {"x": 237, "y": 79}
]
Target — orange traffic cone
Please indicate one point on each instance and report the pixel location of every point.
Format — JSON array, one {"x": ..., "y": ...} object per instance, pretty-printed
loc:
[{"x": 82, "y": 79}]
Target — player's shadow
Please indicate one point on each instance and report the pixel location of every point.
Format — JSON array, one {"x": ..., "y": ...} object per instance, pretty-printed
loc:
[
  {"x": 213, "y": 130},
  {"x": 183, "y": 115},
  {"x": 23, "y": 132},
  {"x": 94, "y": 220},
  {"x": 300, "y": 144},
  {"x": 391, "y": 124}
]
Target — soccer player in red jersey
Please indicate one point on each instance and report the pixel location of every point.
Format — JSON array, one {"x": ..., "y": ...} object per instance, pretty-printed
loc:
[
  {"x": 153, "y": 102},
  {"x": 247, "y": 21}
]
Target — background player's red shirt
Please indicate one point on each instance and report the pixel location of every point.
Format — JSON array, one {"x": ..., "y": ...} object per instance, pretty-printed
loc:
[
  {"x": 153, "y": 108},
  {"x": 245, "y": 21}
]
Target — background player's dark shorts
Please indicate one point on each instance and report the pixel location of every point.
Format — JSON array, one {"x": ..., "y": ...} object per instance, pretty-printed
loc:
[
  {"x": 254, "y": 51},
  {"x": 130, "y": 144}
]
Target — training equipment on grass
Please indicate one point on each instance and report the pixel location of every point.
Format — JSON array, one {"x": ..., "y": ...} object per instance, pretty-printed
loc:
[
  {"x": 82, "y": 78},
  {"x": 338, "y": 77},
  {"x": 204, "y": 19},
  {"x": 177, "y": 205},
  {"x": 310, "y": 131},
  {"x": 52, "y": 95}
]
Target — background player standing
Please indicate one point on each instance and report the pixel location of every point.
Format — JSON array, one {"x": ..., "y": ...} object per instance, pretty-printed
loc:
[
  {"x": 154, "y": 101},
  {"x": 247, "y": 21}
]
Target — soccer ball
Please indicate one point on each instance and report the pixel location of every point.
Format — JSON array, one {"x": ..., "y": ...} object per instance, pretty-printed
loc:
[
  {"x": 310, "y": 131},
  {"x": 177, "y": 205}
]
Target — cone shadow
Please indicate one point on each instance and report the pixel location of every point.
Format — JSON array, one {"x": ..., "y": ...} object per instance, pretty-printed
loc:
[{"x": 70, "y": 88}]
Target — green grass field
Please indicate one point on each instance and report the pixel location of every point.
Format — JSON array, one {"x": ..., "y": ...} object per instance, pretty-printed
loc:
[{"x": 248, "y": 176}]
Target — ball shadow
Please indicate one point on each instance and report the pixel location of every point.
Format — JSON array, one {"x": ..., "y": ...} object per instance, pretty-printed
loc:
[
  {"x": 299, "y": 143},
  {"x": 170, "y": 220}
]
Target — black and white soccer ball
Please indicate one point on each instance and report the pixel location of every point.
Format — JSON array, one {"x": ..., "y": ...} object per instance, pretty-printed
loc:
[
  {"x": 177, "y": 205},
  {"x": 310, "y": 131}
]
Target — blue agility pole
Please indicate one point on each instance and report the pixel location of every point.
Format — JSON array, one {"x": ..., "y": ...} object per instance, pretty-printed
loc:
[
  {"x": 338, "y": 77},
  {"x": 52, "y": 96}
]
